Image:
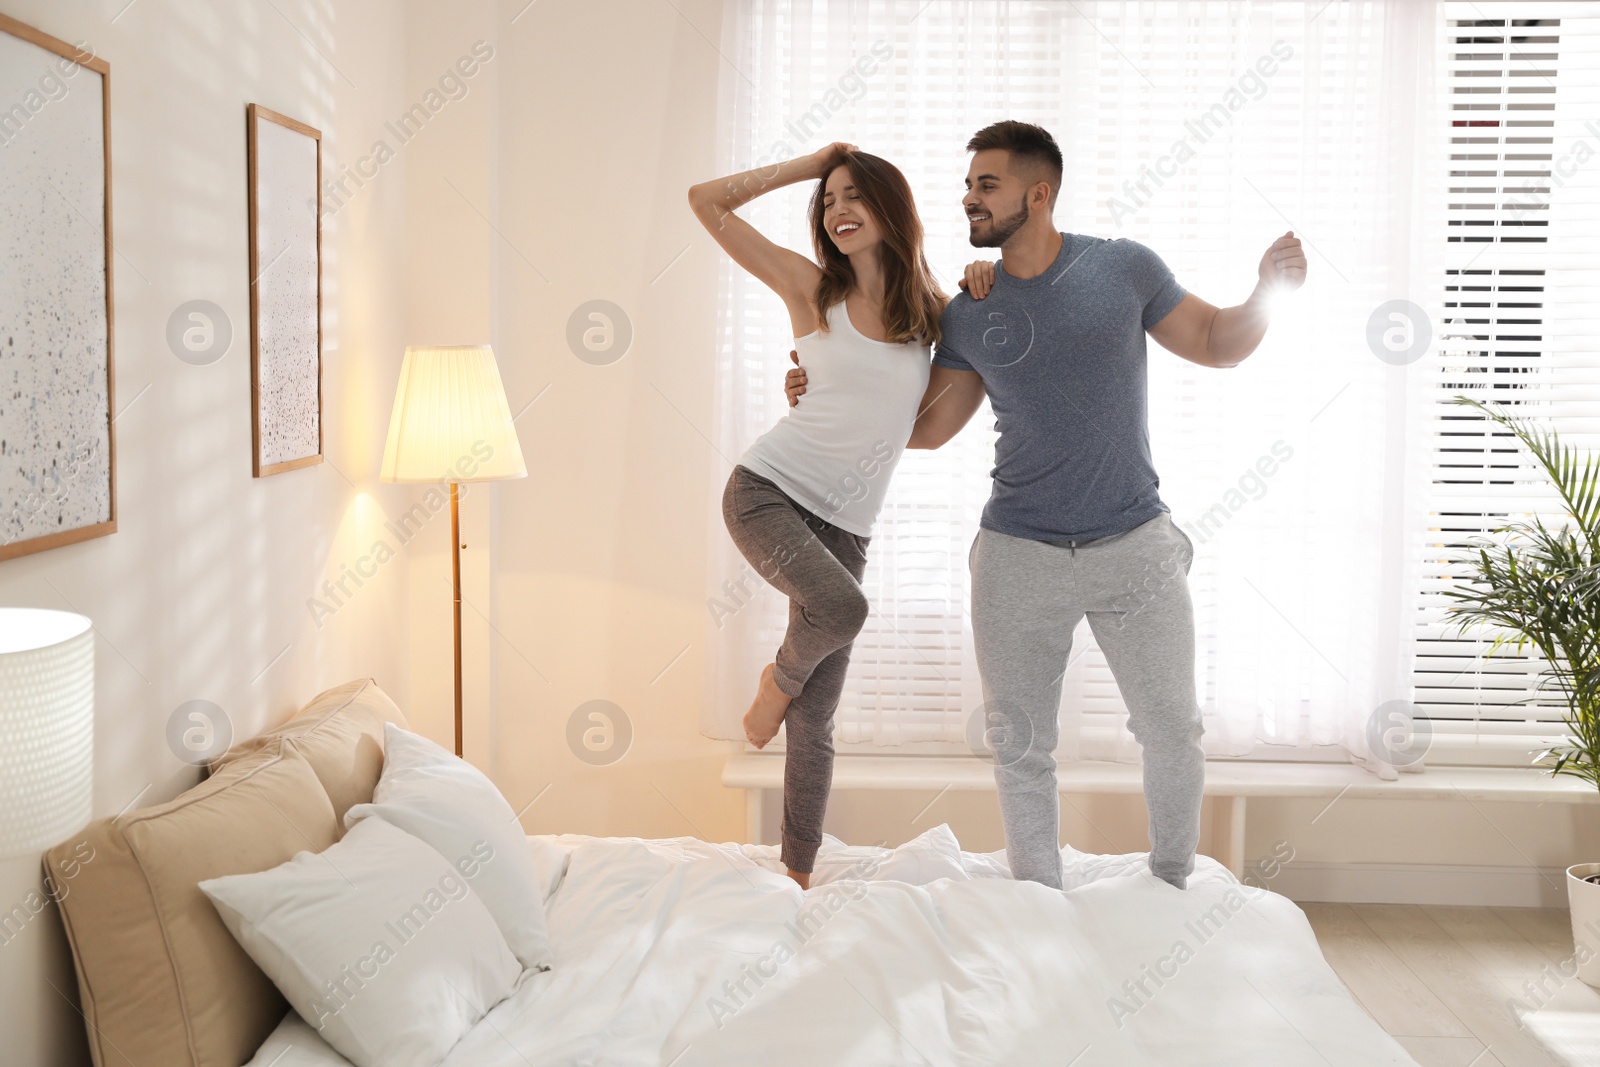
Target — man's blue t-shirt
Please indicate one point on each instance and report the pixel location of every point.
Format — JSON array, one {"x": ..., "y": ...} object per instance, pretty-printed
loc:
[{"x": 1063, "y": 357}]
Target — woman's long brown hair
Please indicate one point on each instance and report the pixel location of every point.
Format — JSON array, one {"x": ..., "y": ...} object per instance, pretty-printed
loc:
[{"x": 912, "y": 299}]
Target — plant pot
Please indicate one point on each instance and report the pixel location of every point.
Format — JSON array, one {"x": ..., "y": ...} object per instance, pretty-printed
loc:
[{"x": 1584, "y": 899}]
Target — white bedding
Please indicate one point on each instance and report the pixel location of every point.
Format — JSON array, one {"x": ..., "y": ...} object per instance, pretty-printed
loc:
[{"x": 917, "y": 955}]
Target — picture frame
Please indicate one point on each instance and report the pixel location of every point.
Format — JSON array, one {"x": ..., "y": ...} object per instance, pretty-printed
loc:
[
  {"x": 285, "y": 217},
  {"x": 57, "y": 316}
]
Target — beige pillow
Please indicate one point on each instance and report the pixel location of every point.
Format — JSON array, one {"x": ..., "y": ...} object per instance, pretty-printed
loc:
[
  {"x": 162, "y": 981},
  {"x": 340, "y": 733}
]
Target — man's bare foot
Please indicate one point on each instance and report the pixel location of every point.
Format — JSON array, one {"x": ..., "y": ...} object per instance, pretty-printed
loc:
[
  {"x": 803, "y": 878},
  {"x": 766, "y": 712}
]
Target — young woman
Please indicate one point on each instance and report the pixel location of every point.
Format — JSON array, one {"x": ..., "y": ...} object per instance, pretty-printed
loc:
[{"x": 802, "y": 501}]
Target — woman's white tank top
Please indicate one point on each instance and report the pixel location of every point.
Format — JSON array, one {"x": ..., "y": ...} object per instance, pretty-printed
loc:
[{"x": 835, "y": 451}]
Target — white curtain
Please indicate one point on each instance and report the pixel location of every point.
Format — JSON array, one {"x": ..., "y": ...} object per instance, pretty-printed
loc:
[{"x": 1204, "y": 130}]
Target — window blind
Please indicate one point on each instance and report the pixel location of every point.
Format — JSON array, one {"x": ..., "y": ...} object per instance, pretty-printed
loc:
[{"x": 1518, "y": 328}]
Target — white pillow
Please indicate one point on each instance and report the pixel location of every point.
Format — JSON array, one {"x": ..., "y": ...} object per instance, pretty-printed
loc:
[
  {"x": 447, "y": 802},
  {"x": 377, "y": 942}
]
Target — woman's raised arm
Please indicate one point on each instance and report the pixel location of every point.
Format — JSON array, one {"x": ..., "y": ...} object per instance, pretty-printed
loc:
[{"x": 786, "y": 272}]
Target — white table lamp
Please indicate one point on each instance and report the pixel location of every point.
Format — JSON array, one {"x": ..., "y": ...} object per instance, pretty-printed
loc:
[
  {"x": 451, "y": 423},
  {"x": 46, "y": 727}
]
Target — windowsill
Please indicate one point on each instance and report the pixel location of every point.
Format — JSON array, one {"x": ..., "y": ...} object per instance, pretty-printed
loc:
[
  {"x": 1509, "y": 751},
  {"x": 1224, "y": 778}
]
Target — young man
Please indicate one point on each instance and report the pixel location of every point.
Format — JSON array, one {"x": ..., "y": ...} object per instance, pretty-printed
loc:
[{"x": 1075, "y": 526}]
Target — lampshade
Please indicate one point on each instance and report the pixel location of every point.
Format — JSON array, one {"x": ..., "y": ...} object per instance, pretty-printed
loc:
[
  {"x": 451, "y": 421},
  {"x": 46, "y": 727}
]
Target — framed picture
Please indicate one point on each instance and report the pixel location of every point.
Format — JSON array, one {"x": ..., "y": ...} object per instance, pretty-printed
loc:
[
  {"x": 57, "y": 461},
  {"x": 285, "y": 165}
]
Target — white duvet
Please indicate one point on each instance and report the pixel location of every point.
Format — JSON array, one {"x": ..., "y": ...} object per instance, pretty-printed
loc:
[{"x": 686, "y": 953}]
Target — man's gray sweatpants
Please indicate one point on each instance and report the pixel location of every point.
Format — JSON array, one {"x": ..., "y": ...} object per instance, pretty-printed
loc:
[{"x": 1027, "y": 597}]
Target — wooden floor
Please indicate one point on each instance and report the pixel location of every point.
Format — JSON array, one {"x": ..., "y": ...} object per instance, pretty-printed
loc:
[{"x": 1440, "y": 979}]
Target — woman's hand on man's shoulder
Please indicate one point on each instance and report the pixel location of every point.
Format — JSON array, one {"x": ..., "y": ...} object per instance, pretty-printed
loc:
[{"x": 978, "y": 278}]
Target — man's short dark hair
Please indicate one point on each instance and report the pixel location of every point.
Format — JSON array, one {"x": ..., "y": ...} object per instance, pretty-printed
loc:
[{"x": 1031, "y": 148}]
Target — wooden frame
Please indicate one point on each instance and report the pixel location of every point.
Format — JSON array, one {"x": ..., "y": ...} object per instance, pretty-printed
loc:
[
  {"x": 90, "y": 62},
  {"x": 255, "y": 114}
]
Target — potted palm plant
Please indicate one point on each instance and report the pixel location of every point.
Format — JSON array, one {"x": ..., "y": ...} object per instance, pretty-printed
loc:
[{"x": 1539, "y": 585}]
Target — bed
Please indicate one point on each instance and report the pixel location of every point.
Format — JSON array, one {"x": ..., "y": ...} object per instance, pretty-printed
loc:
[
  {"x": 687, "y": 953},
  {"x": 672, "y": 952}
]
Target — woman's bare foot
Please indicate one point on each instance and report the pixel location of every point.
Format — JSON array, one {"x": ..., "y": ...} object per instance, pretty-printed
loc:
[
  {"x": 802, "y": 878},
  {"x": 766, "y": 712}
]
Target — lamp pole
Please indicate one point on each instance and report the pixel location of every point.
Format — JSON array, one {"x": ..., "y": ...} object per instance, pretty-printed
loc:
[{"x": 455, "y": 573}]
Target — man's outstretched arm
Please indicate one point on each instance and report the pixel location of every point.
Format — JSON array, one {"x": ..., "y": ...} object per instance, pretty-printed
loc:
[{"x": 1223, "y": 337}]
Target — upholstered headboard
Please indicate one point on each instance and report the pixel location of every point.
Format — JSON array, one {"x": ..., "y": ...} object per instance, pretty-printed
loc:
[{"x": 161, "y": 979}]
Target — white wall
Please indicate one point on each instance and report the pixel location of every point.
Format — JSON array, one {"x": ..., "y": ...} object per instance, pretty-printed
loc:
[
  {"x": 603, "y": 114},
  {"x": 201, "y": 594}
]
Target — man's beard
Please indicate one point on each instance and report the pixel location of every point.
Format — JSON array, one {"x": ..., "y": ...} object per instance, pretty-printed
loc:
[{"x": 1001, "y": 230}]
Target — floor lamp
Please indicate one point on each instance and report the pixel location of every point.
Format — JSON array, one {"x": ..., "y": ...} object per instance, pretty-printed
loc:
[{"x": 451, "y": 423}]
